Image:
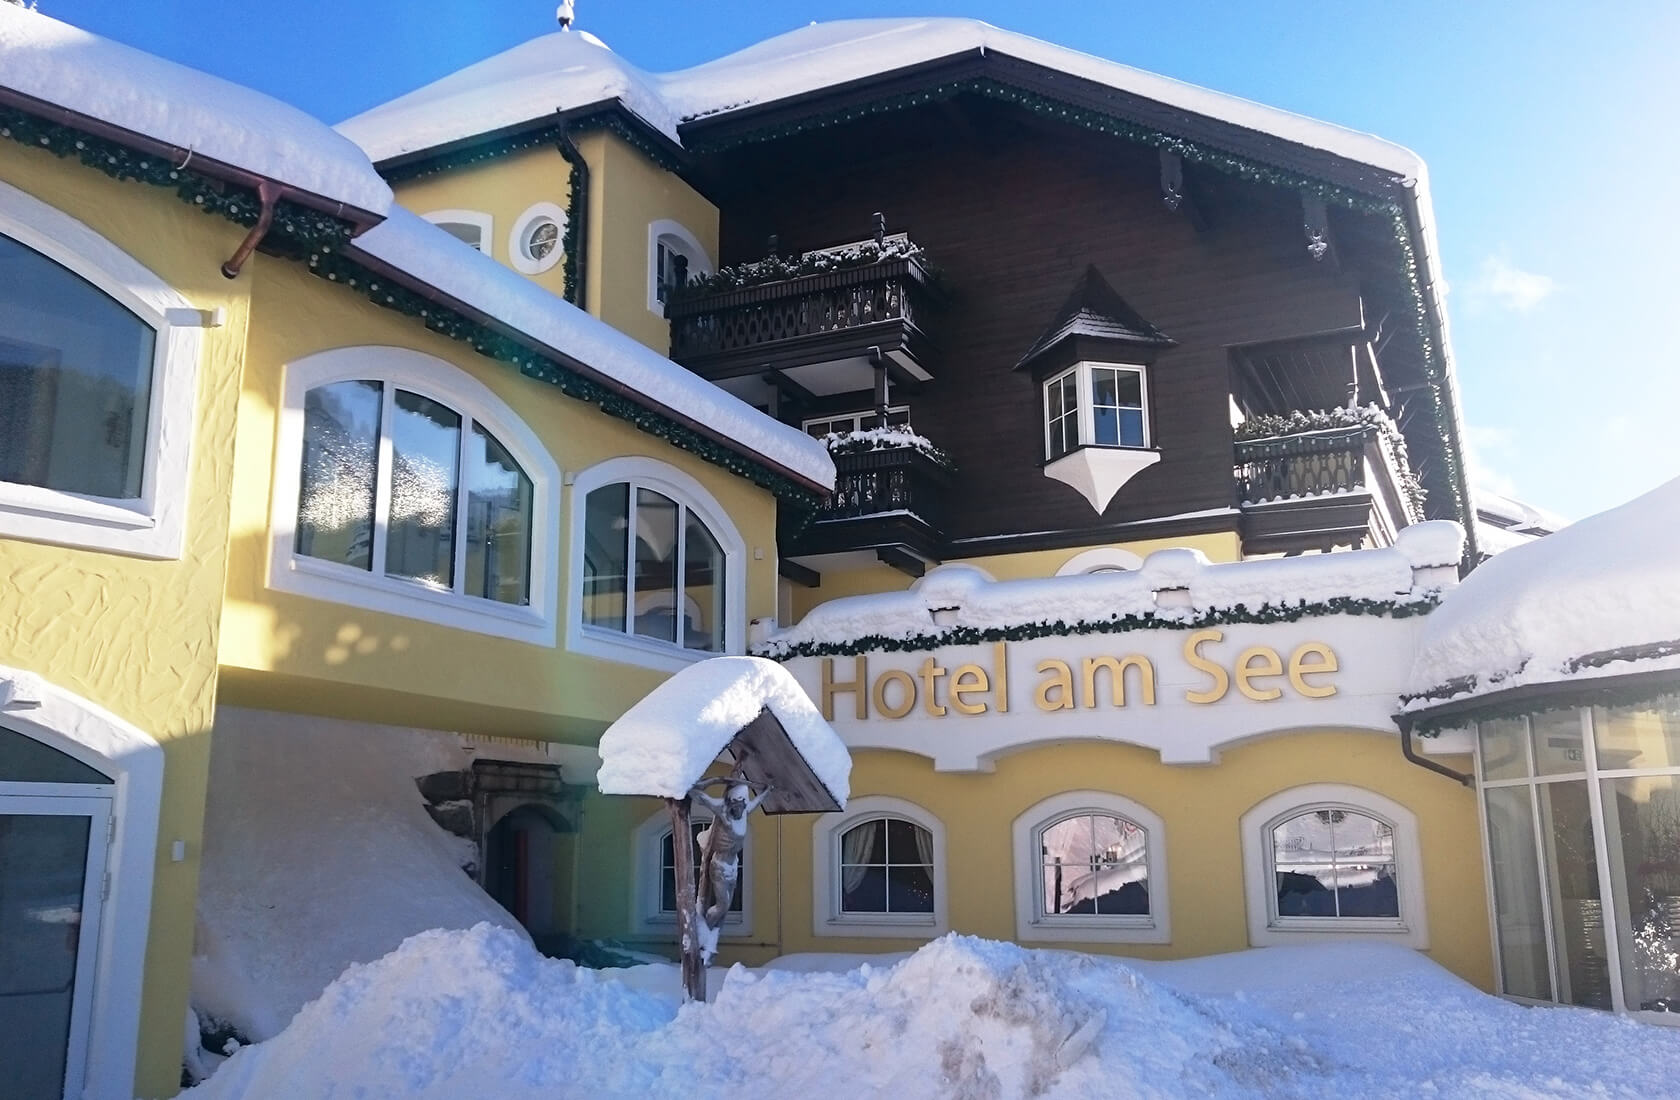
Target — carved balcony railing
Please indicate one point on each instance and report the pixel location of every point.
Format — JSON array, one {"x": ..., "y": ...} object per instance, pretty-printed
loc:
[
  {"x": 1306, "y": 465},
  {"x": 807, "y": 319},
  {"x": 888, "y": 497},
  {"x": 1317, "y": 489}
]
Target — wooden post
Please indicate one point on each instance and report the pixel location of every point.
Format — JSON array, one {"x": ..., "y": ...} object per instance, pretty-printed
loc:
[{"x": 688, "y": 918}]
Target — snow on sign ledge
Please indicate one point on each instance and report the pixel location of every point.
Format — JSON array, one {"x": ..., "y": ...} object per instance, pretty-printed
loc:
[{"x": 665, "y": 743}]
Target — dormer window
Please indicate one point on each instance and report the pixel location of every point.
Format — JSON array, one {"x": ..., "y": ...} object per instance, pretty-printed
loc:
[{"x": 1095, "y": 405}]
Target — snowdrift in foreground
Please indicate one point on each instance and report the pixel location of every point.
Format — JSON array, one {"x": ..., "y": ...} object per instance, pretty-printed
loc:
[{"x": 479, "y": 1013}]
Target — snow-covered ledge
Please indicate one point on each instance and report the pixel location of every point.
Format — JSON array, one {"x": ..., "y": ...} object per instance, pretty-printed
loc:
[{"x": 1100, "y": 472}]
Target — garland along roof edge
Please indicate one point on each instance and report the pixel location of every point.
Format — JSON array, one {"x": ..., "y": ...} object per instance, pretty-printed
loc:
[{"x": 302, "y": 232}]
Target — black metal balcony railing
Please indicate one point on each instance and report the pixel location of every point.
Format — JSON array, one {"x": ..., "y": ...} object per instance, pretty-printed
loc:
[
  {"x": 1304, "y": 465},
  {"x": 896, "y": 479},
  {"x": 718, "y": 324}
]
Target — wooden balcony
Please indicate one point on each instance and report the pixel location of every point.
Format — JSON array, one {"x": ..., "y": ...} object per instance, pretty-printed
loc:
[
  {"x": 819, "y": 330},
  {"x": 891, "y": 499},
  {"x": 1318, "y": 490}
]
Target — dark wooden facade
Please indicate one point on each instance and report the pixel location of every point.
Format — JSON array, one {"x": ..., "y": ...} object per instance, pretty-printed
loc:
[{"x": 1012, "y": 208}]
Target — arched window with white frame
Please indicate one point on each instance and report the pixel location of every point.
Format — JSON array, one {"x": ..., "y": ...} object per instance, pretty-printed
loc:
[
  {"x": 659, "y": 570},
  {"x": 675, "y": 255},
  {"x": 1332, "y": 861},
  {"x": 1090, "y": 866},
  {"x": 405, "y": 485},
  {"x": 470, "y": 227},
  {"x": 1100, "y": 559},
  {"x": 656, "y": 876},
  {"x": 878, "y": 869},
  {"x": 98, "y": 377}
]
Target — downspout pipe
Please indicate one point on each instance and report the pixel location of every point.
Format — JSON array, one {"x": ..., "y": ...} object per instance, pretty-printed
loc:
[
  {"x": 1409, "y": 750},
  {"x": 268, "y": 193},
  {"x": 577, "y": 218}
]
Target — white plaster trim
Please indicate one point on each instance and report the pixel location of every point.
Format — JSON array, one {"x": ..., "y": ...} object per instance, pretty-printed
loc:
[
  {"x": 826, "y": 918},
  {"x": 484, "y": 223},
  {"x": 100, "y": 739},
  {"x": 152, "y": 526},
  {"x": 1264, "y": 927},
  {"x": 611, "y": 645},
  {"x": 1032, "y": 923},
  {"x": 1099, "y": 558},
  {"x": 649, "y": 919},
  {"x": 1098, "y": 473},
  {"x": 699, "y": 261},
  {"x": 323, "y": 580},
  {"x": 517, "y": 256}
]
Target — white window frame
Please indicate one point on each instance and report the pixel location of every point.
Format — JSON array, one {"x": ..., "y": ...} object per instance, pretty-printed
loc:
[
  {"x": 1267, "y": 929},
  {"x": 649, "y": 918},
  {"x": 1100, "y": 559},
  {"x": 522, "y": 261},
  {"x": 857, "y": 418},
  {"x": 479, "y": 220},
  {"x": 134, "y": 761},
  {"x": 154, "y": 525},
  {"x": 434, "y": 378},
  {"x": 1033, "y": 923},
  {"x": 826, "y": 917},
  {"x": 672, "y": 233},
  {"x": 667, "y": 480},
  {"x": 1087, "y": 423}
]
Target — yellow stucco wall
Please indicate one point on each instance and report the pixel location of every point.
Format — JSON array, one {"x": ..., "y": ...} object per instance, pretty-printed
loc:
[
  {"x": 1219, "y": 547},
  {"x": 139, "y": 637},
  {"x": 504, "y": 188},
  {"x": 289, "y": 652}
]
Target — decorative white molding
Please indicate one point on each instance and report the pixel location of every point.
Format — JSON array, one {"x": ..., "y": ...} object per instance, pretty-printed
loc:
[
  {"x": 134, "y": 761},
  {"x": 522, "y": 261},
  {"x": 826, "y": 918},
  {"x": 613, "y": 645},
  {"x": 648, "y": 917},
  {"x": 478, "y": 219},
  {"x": 154, "y": 525},
  {"x": 678, "y": 235},
  {"x": 1032, "y": 923},
  {"x": 1097, "y": 473},
  {"x": 324, "y": 580},
  {"x": 1266, "y": 929},
  {"x": 1099, "y": 559}
]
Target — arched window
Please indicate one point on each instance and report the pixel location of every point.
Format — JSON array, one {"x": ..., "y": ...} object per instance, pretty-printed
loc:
[
  {"x": 98, "y": 364},
  {"x": 537, "y": 240},
  {"x": 658, "y": 565},
  {"x": 471, "y": 227},
  {"x": 1332, "y": 860},
  {"x": 417, "y": 492},
  {"x": 1100, "y": 559},
  {"x": 657, "y": 876},
  {"x": 879, "y": 870},
  {"x": 673, "y": 255},
  {"x": 1090, "y": 866}
]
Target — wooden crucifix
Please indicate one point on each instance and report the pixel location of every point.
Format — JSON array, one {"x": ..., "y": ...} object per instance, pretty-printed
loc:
[{"x": 703, "y": 904}]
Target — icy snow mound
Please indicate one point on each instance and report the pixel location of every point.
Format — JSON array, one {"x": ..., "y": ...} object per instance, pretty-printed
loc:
[
  {"x": 1608, "y": 582},
  {"x": 318, "y": 853},
  {"x": 667, "y": 740}
]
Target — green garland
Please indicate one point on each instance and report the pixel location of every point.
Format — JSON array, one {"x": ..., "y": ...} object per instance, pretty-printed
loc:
[
  {"x": 1301, "y": 421},
  {"x": 1662, "y": 686},
  {"x": 1119, "y": 624},
  {"x": 775, "y": 269},
  {"x": 608, "y": 118}
]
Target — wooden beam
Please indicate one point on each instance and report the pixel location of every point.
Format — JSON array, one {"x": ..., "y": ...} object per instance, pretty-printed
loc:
[
  {"x": 901, "y": 560},
  {"x": 688, "y": 931},
  {"x": 802, "y": 575},
  {"x": 1175, "y": 194},
  {"x": 789, "y": 388},
  {"x": 1315, "y": 222}
]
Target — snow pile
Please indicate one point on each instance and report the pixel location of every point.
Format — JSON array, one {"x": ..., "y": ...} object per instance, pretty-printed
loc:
[
  {"x": 479, "y": 1013},
  {"x": 891, "y": 437},
  {"x": 171, "y": 103},
  {"x": 962, "y": 597},
  {"x": 664, "y": 744},
  {"x": 318, "y": 853},
  {"x": 411, "y": 244},
  {"x": 1605, "y": 583}
]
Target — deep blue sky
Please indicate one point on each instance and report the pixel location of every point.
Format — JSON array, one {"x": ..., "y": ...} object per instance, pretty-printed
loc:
[{"x": 1548, "y": 128}]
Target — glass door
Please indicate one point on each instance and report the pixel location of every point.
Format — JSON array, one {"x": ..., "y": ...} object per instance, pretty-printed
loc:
[{"x": 53, "y": 839}]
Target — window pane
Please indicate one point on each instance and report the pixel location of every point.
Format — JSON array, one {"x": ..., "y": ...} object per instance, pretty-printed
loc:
[
  {"x": 1642, "y": 821},
  {"x": 26, "y": 760},
  {"x": 1504, "y": 752},
  {"x": 1131, "y": 428},
  {"x": 1645, "y": 736},
  {"x": 1519, "y": 914},
  {"x": 863, "y": 889},
  {"x": 909, "y": 890},
  {"x": 1128, "y": 389},
  {"x": 498, "y": 565},
  {"x": 1577, "y": 908},
  {"x": 667, "y": 875},
  {"x": 1305, "y": 890},
  {"x": 425, "y": 455},
  {"x": 1557, "y": 742},
  {"x": 605, "y": 558},
  {"x": 1334, "y": 862},
  {"x": 656, "y": 565},
  {"x": 1105, "y": 426},
  {"x": 75, "y": 380},
  {"x": 340, "y": 470},
  {"x": 703, "y": 587}
]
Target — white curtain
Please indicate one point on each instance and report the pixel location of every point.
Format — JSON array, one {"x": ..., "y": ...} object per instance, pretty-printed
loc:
[
  {"x": 855, "y": 847},
  {"x": 924, "y": 848}
]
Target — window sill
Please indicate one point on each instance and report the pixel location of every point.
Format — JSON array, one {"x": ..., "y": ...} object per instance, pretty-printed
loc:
[
  {"x": 630, "y": 649},
  {"x": 1280, "y": 933},
  {"x": 1096, "y": 929},
  {"x": 883, "y": 925},
  {"x": 35, "y": 514},
  {"x": 334, "y": 583}
]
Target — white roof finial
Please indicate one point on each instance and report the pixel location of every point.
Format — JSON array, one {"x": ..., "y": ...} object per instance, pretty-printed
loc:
[{"x": 566, "y": 14}]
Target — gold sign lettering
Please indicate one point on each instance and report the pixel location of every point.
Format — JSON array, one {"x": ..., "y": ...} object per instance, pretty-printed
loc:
[
  {"x": 907, "y": 700},
  {"x": 1061, "y": 681},
  {"x": 965, "y": 681},
  {"x": 830, "y": 688},
  {"x": 1270, "y": 665},
  {"x": 1299, "y": 669},
  {"x": 1192, "y": 655}
]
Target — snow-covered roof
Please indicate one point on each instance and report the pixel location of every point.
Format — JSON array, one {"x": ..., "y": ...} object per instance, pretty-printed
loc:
[
  {"x": 1527, "y": 616},
  {"x": 169, "y": 103},
  {"x": 665, "y": 743},
  {"x": 565, "y": 70},
  {"x": 413, "y": 245},
  {"x": 1515, "y": 515}
]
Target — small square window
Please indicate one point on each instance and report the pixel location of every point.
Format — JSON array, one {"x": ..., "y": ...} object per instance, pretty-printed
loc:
[{"x": 1095, "y": 405}]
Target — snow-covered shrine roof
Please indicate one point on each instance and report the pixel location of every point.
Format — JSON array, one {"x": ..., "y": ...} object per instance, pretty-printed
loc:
[
  {"x": 1599, "y": 598},
  {"x": 668, "y": 740},
  {"x": 214, "y": 119}
]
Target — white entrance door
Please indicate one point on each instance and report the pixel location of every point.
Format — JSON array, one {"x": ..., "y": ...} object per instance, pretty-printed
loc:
[{"x": 53, "y": 838}]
